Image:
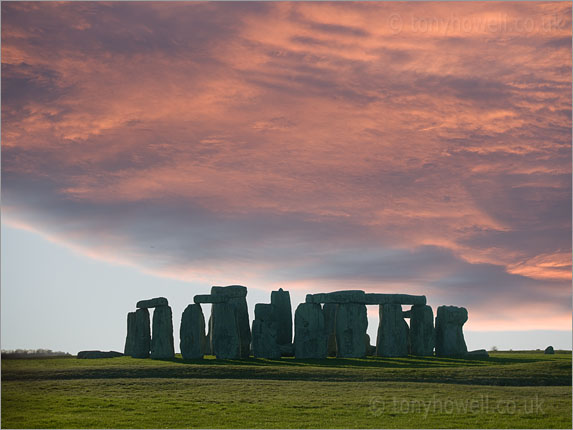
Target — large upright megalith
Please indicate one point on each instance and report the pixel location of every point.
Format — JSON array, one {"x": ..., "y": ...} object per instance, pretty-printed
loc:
[
  {"x": 329, "y": 310},
  {"x": 350, "y": 328},
  {"x": 281, "y": 301},
  {"x": 192, "y": 333},
  {"x": 422, "y": 336},
  {"x": 162, "y": 333},
  {"x": 236, "y": 295},
  {"x": 130, "y": 338},
  {"x": 310, "y": 334},
  {"x": 225, "y": 337},
  {"x": 265, "y": 332},
  {"x": 142, "y": 334},
  {"x": 392, "y": 332},
  {"x": 449, "y": 333}
]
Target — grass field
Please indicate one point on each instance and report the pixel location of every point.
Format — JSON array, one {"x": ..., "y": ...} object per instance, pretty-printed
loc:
[{"x": 508, "y": 390}]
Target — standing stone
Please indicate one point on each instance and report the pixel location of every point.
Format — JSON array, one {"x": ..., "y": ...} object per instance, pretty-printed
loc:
[
  {"x": 265, "y": 332},
  {"x": 449, "y": 333},
  {"x": 422, "y": 336},
  {"x": 237, "y": 295},
  {"x": 549, "y": 350},
  {"x": 329, "y": 310},
  {"x": 130, "y": 338},
  {"x": 392, "y": 332},
  {"x": 192, "y": 332},
  {"x": 142, "y": 336},
  {"x": 162, "y": 333},
  {"x": 310, "y": 335},
  {"x": 225, "y": 339},
  {"x": 283, "y": 311},
  {"x": 350, "y": 328}
]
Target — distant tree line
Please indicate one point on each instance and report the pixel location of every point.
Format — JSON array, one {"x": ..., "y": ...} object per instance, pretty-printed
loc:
[{"x": 33, "y": 353}]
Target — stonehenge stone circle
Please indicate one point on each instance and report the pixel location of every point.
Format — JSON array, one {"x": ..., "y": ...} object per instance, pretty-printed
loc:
[
  {"x": 449, "y": 334},
  {"x": 329, "y": 310},
  {"x": 310, "y": 335},
  {"x": 326, "y": 324},
  {"x": 142, "y": 334},
  {"x": 162, "y": 333},
  {"x": 192, "y": 333},
  {"x": 130, "y": 338},
  {"x": 225, "y": 337},
  {"x": 422, "y": 336},
  {"x": 151, "y": 303},
  {"x": 350, "y": 330},
  {"x": 265, "y": 332},
  {"x": 392, "y": 332},
  {"x": 281, "y": 301}
]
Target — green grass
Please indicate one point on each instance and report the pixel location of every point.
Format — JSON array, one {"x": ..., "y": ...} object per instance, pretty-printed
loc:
[{"x": 508, "y": 390}]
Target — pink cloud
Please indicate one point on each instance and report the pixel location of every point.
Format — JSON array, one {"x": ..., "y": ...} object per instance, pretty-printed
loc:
[{"x": 258, "y": 139}]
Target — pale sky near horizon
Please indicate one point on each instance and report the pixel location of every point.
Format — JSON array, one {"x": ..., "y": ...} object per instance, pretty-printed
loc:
[
  {"x": 39, "y": 277},
  {"x": 160, "y": 148}
]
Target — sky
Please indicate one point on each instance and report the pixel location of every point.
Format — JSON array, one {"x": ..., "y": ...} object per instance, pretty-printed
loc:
[{"x": 157, "y": 149}]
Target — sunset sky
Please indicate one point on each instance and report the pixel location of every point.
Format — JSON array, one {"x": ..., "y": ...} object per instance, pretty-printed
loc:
[{"x": 156, "y": 149}]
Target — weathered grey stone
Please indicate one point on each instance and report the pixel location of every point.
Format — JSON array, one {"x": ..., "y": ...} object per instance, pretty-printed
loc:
[
  {"x": 130, "y": 338},
  {"x": 310, "y": 336},
  {"x": 392, "y": 332},
  {"x": 192, "y": 333},
  {"x": 225, "y": 338},
  {"x": 209, "y": 298},
  {"x": 478, "y": 353},
  {"x": 329, "y": 310},
  {"x": 237, "y": 297},
  {"x": 549, "y": 350},
  {"x": 347, "y": 296},
  {"x": 287, "y": 350},
  {"x": 162, "y": 333},
  {"x": 231, "y": 291},
  {"x": 358, "y": 296},
  {"x": 99, "y": 354},
  {"x": 449, "y": 333},
  {"x": 151, "y": 303},
  {"x": 394, "y": 299},
  {"x": 350, "y": 329},
  {"x": 142, "y": 336},
  {"x": 281, "y": 301},
  {"x": 422, "y": 336},
  {"x": 265, "y": 332}
]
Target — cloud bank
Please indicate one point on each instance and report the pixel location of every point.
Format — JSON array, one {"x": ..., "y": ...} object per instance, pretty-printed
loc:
[{"x": 392, "y": 147}]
